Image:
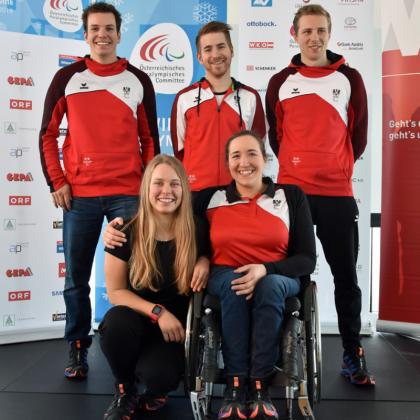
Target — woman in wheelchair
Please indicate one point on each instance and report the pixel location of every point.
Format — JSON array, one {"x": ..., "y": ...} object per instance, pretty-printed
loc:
[
  {"x": 262, "y": 241},
  {"x": 148, "y": 279}
]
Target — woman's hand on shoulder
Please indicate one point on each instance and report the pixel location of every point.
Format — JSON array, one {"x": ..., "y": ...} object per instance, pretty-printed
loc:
[
  {"x": 113, "y": 237},
  {"x": 200, "y": 274},
  {"x": 172, "y": 330},
  {"x": 245, "y": 285}
]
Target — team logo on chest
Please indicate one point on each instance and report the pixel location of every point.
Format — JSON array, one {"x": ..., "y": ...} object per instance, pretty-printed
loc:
[
  {"x": 126, "y": 91},
  {"x": 276, "y": 204},
  {"x": 336, "y": 94}
]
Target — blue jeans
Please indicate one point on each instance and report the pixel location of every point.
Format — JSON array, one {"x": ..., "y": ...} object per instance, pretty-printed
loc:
[
  {"x": 251, "y": 328},
  {"x": 81, "y": 229}
]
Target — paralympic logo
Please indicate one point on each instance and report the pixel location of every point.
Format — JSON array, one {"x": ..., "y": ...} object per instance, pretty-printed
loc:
[
  {"x": 60, "y": 4},
  {"x": 158, "y": 46}
]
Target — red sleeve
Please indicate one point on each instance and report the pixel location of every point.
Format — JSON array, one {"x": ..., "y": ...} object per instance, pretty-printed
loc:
[
  {"x": 274, "y": 109},
  {"x": 357, "y": 111},
  {"x": 54, "y": 110},
  {"x": 258, "y": 125}
]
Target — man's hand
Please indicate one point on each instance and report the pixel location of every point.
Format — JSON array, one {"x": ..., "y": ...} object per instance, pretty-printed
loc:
[
  {"x": 245, "y": 285},
  {"x": 200, "y": 274},
  {"x": 172, "y": 329},
  {"x": 62, "y": 197},
  {"x": 113, "y": 237}
]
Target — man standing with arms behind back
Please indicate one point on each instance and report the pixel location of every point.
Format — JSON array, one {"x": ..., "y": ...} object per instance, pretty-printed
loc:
[
  {"x": 317, "y": 113},
  {"x": 205, "y": 114},
  {"x": 112, "y": 135}
]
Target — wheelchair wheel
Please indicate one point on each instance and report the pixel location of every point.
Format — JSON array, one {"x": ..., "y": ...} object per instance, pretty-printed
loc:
[
  {"x": 313, "y": 345},
  {"x": 192, "y": 347}
]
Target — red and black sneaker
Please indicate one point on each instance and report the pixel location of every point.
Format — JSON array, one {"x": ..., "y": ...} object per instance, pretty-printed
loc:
[
  {"x": 150, "y": 402},
  {"x": 124, "y": 404},
  {"x": 77, "y": 366},
  {"x": 261, "y": 406},
  {"x": 354, "y": 368},
  {"x": 234, "y": 402}
]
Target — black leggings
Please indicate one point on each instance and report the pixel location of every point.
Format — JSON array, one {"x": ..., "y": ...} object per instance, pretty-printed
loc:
[{"x": 132, "y": 344}]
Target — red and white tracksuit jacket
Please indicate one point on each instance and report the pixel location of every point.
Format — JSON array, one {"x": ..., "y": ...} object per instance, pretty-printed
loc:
[
  {"x": 108, "y": 108},
  {"x": 317, "y": 120},
  {"x": 200, "y": 128}
]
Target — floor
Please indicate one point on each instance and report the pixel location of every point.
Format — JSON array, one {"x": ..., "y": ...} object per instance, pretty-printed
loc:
[{"x": 32, "y": 386}]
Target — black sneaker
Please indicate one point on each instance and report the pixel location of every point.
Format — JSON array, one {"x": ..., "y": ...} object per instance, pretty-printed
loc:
[
  {"x": 354, "y": 368},
  {"x": 77, "y": 367},
  {"x": 152, "y": 402},
  {"x": 234, "y": 402},
  {"x": 261, "y": 406},
  {"x": 124, "y": 405}
]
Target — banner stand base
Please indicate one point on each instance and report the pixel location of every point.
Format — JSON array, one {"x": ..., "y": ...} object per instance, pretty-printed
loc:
[
  {"x": 33, "y": 334},
  {"x": 405, "y": 328}
]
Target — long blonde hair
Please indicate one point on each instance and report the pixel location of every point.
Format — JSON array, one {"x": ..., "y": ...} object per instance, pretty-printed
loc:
[{"x": 143, "y": 264}]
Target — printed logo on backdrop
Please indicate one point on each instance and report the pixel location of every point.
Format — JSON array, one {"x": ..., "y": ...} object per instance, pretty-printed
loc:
[
  {"x": 261, "y": 3},
  {"x": 57, "y": 224},
  {"x": 10, "y": 127},
  {"x": 19, "y": 272},
  {"x": 60, "y": 247},
  {"x": 20, "y": 81},
  {"x": 350, "y": 2},
  {"x": 55, "y": 293},
  {"x": 61, "y": 269},
  {"x": 23, "y": 104},
  {"x": 9, "y": 224},
  {"x": 18, "y": 248},
  {"x": 261, "y": 23},
  {"x": 204, "y": 12},
  {"x": 19, "y": 177},
  {"x": 251, "y": 67},
  {"x": 19, "y": 295},
  {"x": 65, "y": 59},
  {"x": 7, "y": 6},
  {"x": 260, "y": 45},
  {"x": 58, "y": 317},
  {"x": 164, "y": 52},
  {"x": 351, "y": 46},
  {"x": 18, "y": 152},
  {"x": 20, "y": 200},
  {"x": 9, "y": 320},
  {"x": 350, "y": 23},
  {"x": 19, "y": 55},
  {"x": 65, "y": 15}
]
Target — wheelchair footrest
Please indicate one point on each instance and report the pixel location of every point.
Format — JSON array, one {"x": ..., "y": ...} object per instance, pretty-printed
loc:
[
  {"x": 198, "y": 405},
  {"x": 303, "y": 402}
]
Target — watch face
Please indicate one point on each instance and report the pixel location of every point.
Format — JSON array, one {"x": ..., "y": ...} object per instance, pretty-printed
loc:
[{"x": 156, "y": 310}]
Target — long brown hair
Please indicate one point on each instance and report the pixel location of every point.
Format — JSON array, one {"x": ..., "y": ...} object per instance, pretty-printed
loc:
[{"x": 143, "y": 264}]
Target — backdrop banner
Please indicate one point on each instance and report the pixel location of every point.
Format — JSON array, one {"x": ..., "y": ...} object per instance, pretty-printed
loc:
[{"x": 399, "y": 309}]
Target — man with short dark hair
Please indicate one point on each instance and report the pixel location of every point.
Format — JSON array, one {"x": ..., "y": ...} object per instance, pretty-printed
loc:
[
  {"x": 205, "y": 114},
  {"x": 317, "y": 114},
  {"x": 112, "y": 134}
]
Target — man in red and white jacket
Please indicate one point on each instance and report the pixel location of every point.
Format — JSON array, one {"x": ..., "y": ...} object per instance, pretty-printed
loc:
[
  {"x": 317, "y": 115},
  {"x": 111, "y": 136},
  {"x": 205, "y": 114}
]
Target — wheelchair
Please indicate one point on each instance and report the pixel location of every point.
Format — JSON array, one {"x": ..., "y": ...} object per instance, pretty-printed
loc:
[{"x": 298, "y": 371}]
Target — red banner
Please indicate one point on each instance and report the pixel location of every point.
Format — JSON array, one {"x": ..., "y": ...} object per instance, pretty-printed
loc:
[{"x": 400, "y": 224}]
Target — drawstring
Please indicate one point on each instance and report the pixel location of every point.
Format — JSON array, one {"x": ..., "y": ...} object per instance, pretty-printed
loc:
[
  {"x": 199, "y": 95},
  {"x": 235, "y": 86}
]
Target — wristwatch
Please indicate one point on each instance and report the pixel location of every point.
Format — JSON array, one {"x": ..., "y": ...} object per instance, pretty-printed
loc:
[{"x": 157, "y": 311}]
